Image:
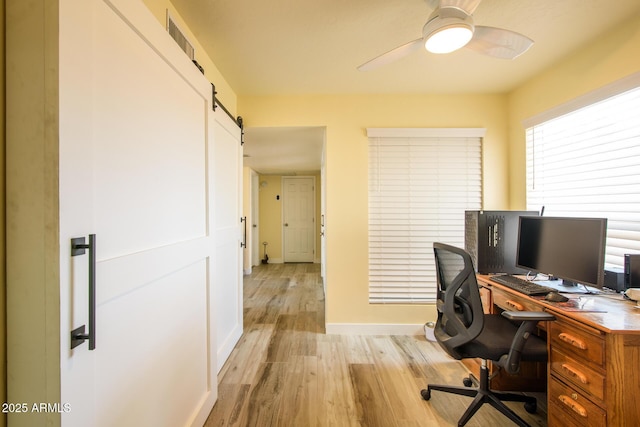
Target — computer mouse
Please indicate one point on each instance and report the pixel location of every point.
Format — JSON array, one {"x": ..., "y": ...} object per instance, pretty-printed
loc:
[{"x": 556, "y": 297}]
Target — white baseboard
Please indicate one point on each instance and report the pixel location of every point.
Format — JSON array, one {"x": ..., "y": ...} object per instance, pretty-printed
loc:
[
  {"x": 374, "y": 329},
  {"x": 281, "y": 261}
]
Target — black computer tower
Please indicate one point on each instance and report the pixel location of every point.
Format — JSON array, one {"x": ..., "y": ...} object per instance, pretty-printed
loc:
[
  {"x": 491, "y": 238},
  {"x": 614, "y": 278},
  {"x": 631, "y": 271}
]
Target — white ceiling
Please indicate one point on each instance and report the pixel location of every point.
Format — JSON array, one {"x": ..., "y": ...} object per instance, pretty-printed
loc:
[
  {"x": 313, "y": 47},
  {"x": 284, "y": 150}
]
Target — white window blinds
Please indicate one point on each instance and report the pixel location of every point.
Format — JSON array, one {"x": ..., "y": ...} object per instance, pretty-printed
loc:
[
  {"x": 420, "y": 183},
  {"x": 587, "y": 163}
]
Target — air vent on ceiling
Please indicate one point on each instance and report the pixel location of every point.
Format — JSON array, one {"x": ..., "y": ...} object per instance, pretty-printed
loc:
[{"x": 179, "y": 37}]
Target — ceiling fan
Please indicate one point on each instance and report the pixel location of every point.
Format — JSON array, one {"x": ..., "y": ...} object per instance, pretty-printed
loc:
[{"x": 451, "y": 27}]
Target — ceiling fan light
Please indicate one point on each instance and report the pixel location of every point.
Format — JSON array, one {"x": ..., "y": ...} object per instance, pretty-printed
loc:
[
  {"x": 449, "y": 39},
  {"x": 447, "y": 29}
]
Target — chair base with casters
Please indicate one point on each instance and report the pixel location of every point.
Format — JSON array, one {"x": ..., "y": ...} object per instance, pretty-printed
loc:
[{"x": 483, "y": 394}]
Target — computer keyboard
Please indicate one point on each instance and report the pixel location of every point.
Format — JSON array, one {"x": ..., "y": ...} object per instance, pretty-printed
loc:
[{"x": 523, "y": 286}]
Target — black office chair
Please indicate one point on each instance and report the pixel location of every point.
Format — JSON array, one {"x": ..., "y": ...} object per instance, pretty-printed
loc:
[{"x": 463, "y": 330}]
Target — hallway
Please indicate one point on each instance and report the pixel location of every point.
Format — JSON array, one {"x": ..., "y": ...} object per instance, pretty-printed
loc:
[{"x": 286, "y": 372}]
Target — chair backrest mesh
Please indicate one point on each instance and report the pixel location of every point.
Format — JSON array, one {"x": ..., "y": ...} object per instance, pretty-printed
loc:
[{"x": 460, "y": 312}]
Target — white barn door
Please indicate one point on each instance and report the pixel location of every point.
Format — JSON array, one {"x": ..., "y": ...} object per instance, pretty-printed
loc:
[
  {"x": 147, "y": 167},
  {"x": 226, "y": 161}
]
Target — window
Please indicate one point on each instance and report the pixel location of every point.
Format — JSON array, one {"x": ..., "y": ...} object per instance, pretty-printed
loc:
[
  {"x": 420, "y": 183},
  {"x": 587, "y": 163}
]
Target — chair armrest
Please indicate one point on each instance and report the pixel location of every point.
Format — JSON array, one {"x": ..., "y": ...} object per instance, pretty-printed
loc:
[
  {"x": 529, "y": 324},
  {"x": 537, "y": 316}
]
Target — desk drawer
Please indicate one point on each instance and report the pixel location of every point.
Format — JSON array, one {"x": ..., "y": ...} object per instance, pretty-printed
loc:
[
  {"x": 577, "y": 374},
  {"x": 577, "y": 342},
  {"x": 511, "y": 302},
  {"x": 572, "y": 407}
]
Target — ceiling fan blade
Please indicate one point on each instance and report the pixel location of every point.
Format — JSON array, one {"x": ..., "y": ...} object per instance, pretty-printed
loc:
[
  {"x": 392, "y": 55},
  {"x": 498, "y": 42},
  {"x": 469, "y": 6}
]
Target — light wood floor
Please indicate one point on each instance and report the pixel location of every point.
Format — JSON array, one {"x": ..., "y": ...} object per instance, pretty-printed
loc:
[{"x": 286, "y": 371}]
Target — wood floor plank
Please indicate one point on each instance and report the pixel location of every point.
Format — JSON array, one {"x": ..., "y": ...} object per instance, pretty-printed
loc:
[
  {"x": 401, "y": 386},
  {"x": 336, "y": 395},
  {"x": 232, "y": 398},
  {"x": 245, "y": 359},
  {"x": 299, "y": 404},
  {"x": 373, "y": 406},
  {"x": 356, "y": 349},
  {"x": 282, "y": 339},
  {"x": 266, "y": 396}
]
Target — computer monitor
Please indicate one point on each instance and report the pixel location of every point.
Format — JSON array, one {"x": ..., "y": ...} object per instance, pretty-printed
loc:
[{"x": 568, "y": 248}]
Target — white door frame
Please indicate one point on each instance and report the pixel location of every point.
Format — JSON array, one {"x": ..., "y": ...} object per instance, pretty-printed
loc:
[{"x": 255, "y": 219}]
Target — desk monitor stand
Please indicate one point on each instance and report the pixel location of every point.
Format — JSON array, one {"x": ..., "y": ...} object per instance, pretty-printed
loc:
[{"x": 568, "y": 287}]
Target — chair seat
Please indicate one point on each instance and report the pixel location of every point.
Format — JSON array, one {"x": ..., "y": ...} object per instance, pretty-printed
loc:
[{"x": 496, "y": 338}]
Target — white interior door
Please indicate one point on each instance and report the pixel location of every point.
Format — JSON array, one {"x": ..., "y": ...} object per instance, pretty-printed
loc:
[
  {"x": 299, "y": 219},
  {"x": 136, "y": 159}
]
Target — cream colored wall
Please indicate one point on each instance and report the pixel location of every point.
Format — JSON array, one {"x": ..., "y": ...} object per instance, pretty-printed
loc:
[
  {"x": 32, "y": 276},
  {"x": 3, "y": 283},
  {"x": 346, "y": 119},
  {"x": 271, "y": 215},
  {"x": 226, "y": 94},
  {"x": 601, "y": 62}
]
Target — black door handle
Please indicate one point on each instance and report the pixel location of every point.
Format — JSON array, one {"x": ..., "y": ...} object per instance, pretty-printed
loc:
[
  {"x": 78, "y": 335},
  {"x": 243, "y": 244}
]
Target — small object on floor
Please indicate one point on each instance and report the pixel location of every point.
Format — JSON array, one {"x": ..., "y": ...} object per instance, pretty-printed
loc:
[{"x": 265, "y": 260}]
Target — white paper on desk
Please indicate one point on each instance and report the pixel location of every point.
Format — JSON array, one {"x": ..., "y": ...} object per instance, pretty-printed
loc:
[{"x": 558, "y": 286}]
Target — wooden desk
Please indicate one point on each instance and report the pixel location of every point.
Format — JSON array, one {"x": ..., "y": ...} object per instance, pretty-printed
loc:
[{"x": 593, "y": 372}]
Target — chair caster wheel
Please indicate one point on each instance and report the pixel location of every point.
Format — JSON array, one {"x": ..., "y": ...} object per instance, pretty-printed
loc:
[
  {"x": 426, "y": 394},
  {"x": 531, "y": 407},
  {"x": 467, "y": 382}
]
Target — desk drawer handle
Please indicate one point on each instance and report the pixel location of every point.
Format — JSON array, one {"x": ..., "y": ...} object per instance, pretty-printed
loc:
[
  {"x": 575, "y": 407},
  {"x": 573, "y": 341},
  {"x": 515, "y": 305},
  {"x": 570, "y": 370}
]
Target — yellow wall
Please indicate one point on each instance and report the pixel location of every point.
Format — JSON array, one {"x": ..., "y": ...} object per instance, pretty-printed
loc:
[
  {"x": 346, "y": 119},
  {"x": 226, "y": 95},
  {"x": 271, "y": 215},
  {"x": 599, "y": 63},
  {"x": 3, "y": 283},
  {"x": 32, "y": 274}
]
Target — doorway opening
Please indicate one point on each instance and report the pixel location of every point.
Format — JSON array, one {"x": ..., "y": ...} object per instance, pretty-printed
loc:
[{"x": 277, "y": 161}]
